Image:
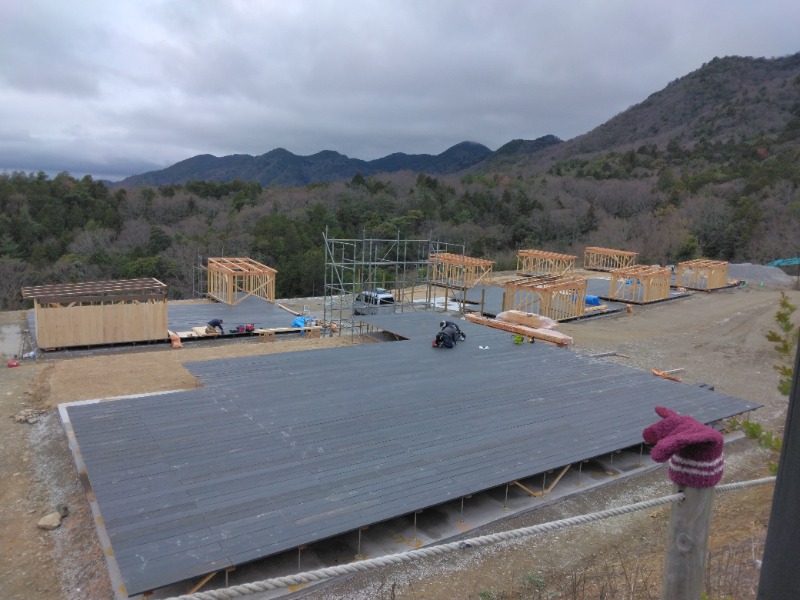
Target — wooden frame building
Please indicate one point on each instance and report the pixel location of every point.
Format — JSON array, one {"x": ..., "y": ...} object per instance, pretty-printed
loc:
[
  {"x": 702, "y": 274},
  {"x": 98, "y": 313},
  {"x": 607, "y": 259},
  {"x": 555, "y": 297},
  {"x": 640, "y": 284},
  {"x": 458, "y": 271},
  {"x": 231, "y": 280},
  {"x": 538, "y": 262}
]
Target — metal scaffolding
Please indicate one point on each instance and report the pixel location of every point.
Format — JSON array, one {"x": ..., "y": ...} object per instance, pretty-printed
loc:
[{"x": 398, "y": 266}]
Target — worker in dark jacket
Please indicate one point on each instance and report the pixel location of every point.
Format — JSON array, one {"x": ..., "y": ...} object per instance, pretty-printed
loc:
[
  {"x": 453, "y": 330},
  {"x": 216, "y": 323},
  {"x": 449, "y": 335}
]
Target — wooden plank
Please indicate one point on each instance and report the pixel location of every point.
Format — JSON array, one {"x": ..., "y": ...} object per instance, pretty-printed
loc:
[
  {"x": 548, "y": 335},
  {"x": 526, "y": 489},
  {"x": 201, "y": 583},
  {"x": 557, "y": 479}
]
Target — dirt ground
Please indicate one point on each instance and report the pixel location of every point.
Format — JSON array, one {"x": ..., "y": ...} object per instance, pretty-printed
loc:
[{"x": 717, "y": 338}]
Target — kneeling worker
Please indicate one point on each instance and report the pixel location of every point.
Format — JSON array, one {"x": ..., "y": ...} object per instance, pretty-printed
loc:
[
  {"x": 453, "y": 330},
  {"x": 213, "y": 324}
]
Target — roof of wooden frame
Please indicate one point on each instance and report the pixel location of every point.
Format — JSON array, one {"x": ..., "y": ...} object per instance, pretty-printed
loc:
[
  {"x": 97, "y": 290},
  {"x": 239, "y": 266}
]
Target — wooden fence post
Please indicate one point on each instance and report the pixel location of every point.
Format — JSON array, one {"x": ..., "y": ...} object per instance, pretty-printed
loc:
[
  {"x": 695, "y": 456},
  {"x": 684, "y": 562}
]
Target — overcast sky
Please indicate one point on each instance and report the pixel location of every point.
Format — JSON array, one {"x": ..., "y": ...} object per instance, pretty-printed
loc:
[{"x": 119, "y": 87}]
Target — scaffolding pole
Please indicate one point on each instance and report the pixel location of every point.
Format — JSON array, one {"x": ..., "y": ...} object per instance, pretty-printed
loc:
[{"x": 400, "y": 266}]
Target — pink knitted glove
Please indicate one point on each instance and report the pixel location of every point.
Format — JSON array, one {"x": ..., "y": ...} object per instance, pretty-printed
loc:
[{"x": 694, "y": 450}]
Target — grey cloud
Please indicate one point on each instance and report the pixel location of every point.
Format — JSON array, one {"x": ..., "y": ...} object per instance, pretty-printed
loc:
[{"x": 130, "y": 85}]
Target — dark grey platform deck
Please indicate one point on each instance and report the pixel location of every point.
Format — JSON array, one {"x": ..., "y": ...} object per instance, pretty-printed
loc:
[
  {"x": 182, "y": 317},
  {"x": 282, "y": 450}
]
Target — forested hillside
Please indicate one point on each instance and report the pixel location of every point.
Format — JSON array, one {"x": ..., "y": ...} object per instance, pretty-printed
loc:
[{"x": 718, "y": 178}]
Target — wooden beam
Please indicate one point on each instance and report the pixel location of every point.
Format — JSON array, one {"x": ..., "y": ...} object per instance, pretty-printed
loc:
[
  {"x": 201, "y": 583},
  {"x": 665, "y": 375},
  {"x": 526, "y": 489},
  {"x": 557, "y": 479},
  {"x": 547, "y": 335}
]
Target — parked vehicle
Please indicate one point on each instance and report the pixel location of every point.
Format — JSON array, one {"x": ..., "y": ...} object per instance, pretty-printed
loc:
[{"x": 373, "y": 302}]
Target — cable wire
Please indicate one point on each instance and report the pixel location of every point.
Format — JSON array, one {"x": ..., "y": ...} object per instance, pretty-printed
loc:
[{"x": 246, "y": 589}]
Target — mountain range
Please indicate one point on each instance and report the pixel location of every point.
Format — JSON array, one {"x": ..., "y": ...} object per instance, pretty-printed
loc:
[
  {"x": 727, "y": 98},
  {"x": 283, "y": 168}
]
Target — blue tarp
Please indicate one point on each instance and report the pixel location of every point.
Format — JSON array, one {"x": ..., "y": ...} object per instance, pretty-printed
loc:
[
  {"x": 593, "y": 300},
  {"x": 784, "y": 262},
  {"x": 299, "y": 322}
]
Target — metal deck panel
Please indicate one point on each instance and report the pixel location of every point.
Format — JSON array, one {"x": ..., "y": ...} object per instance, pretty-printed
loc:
[
  {"x": 327, "y": 441},
  {"x": 182, "y": 317}
]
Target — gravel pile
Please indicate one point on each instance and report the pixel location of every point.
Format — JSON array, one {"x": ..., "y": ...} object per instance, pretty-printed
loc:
[{"x": 758, "y": 274}]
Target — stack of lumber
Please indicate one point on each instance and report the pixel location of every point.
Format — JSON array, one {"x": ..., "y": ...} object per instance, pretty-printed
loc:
[
  {"x": 527, "y": 319},
  {"x": 547, "y": 335},
  {"x": 203, "y": 332}
]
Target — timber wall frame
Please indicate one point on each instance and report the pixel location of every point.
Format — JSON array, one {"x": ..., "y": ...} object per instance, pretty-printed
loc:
[
  {"x": 607, "y": 259},
  {"x": 538, "y": 262},
  {"x": 558, "y": 298},
  {"x": 458, "y": 271},
  {"x": 231, "y": 280},
  {"x": 640, "y": 284},
  {"x": 99, "y": 313},
  {"x": 702, "y": 274}
]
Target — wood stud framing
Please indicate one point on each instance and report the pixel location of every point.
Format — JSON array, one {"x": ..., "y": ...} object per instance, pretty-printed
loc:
[
  {"x": 702, "y": 274},
  {"x": 538, "y": 262},
  {"x": 640, "y": 284},
  {"x": 231, "y": 280},
  {"x": 558, "y": 298},
  {"x": 98, "y": 313},
  {"x": 606, "y": 259},
  {"x": 458, "y": 271}
]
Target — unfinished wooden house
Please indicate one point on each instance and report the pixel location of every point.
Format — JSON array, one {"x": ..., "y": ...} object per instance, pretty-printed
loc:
[
  {"x": 538, "y": 262},
  {"x": 702, "y": 274},
  {"x": 231, "y": 280},
  {"x": 607, "y": 259},
  {"x": 640, "y": 284},
  {"x": 98, "y": 313},
  {"x": 458, "y": 271},
  {"x": 453, "y": 272},
  {"x": 556, "y": 297}
]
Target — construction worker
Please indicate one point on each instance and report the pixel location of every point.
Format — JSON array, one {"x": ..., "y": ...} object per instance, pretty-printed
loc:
[
  {"x": 213, "y": 324},
  {"x": 449, "y": 335},
  {"x": 453, "y": 330}
]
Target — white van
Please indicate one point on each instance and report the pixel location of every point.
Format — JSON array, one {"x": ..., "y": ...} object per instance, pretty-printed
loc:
[{"x": 373, "y": 302}]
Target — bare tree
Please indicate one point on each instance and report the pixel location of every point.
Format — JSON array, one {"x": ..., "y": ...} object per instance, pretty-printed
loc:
[{"x": 14, "y": 275}]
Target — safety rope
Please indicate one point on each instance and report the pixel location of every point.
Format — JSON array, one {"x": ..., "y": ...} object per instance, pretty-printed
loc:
[{"x": 318, "y": 575}]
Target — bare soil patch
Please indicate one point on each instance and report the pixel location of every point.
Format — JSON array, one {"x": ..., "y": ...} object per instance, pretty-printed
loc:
[
  {"x": 716, "y": 338},
  {"x": 38, "y": 472}
]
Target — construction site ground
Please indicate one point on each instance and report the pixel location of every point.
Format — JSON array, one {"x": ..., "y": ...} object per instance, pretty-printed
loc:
[{"x": 714, "y": 338}]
